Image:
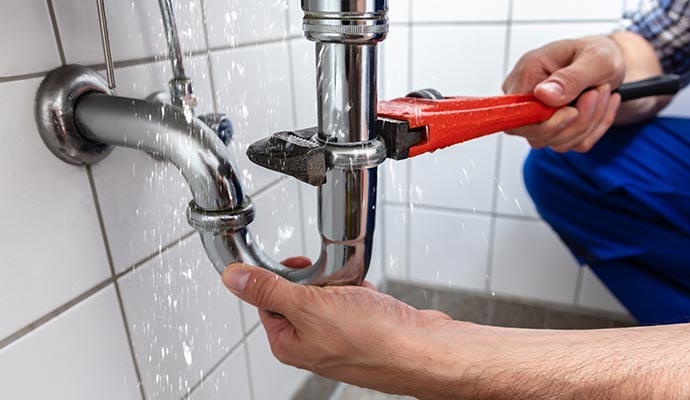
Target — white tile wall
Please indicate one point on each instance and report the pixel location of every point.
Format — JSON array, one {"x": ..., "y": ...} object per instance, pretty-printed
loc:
[
  {"x": 512, "y": 197},
  {"x": 30, "y": 20},
  {"x": 229, "y": 381},
  {"x": 395, "y": 244},
  {"x": 448, "y": 58},
  {"x": 265, "y": 368},
  {"x": 42, "y": 266},
  {"x": 136, "y": 29},
  {"x": 545, "y": 10},
  {"x": 253, "y": 87},
  {"x": 181, "y": 317},
  {"x": 81, "y": 354},
  {"x": 458, "y": 11},
  {"x": 528, "y": 261},
  {"x": 237, "y": 22},
  {"x": 449, "y": 249}
]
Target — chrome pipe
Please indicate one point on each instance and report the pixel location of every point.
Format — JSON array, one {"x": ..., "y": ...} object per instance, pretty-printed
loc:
[
  {"x": 173, "y": 39},
  {"x": 346, "y": 92},
  {"x": 105, "y": 42},
  {"x": 165, "y": 131},
  {"x": 220, "y": 210}
]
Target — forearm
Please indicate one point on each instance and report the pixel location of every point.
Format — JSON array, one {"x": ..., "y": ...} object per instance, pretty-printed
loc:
[
  {"x": 490, "y": 363},
  {"x": 641, "y": 62}
]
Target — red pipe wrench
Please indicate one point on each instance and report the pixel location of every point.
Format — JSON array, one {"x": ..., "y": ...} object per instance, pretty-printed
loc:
[{"x": 425, "y": 121}]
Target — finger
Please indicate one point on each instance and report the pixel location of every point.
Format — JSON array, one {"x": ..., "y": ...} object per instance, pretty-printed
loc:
[
  {"x": 263, "y": 289},
  {"x": 586, "y": 107},
  {"x": 600, "y": 109},
  {"x": 604, "y": 126},
  {"x": 566, "y": 84},
  {"x": 297, "y": 262}
]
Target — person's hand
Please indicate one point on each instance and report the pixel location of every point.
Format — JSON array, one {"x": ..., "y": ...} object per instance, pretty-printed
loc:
[
  {"x": 352, "y": 334},
  {"x": 557, "y": 74}
]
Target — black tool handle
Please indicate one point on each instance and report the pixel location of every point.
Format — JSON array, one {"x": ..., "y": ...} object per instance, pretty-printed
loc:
[{"x": 660, "y": 85}]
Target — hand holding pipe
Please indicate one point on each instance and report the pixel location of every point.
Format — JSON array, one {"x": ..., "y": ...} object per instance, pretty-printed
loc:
[{"x": 425, "y": 121}]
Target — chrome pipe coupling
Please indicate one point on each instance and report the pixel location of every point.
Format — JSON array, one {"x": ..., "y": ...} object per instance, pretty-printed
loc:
[
  {"x": 221, "y": 221},
  {"x": 345, "y": 21}
]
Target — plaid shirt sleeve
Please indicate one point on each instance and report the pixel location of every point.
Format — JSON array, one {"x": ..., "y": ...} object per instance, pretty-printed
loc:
[{"x": 666, "y": 25}]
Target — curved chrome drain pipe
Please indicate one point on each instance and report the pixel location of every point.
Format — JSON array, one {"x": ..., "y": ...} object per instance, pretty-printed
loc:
[{"x": 79, "y": 120}]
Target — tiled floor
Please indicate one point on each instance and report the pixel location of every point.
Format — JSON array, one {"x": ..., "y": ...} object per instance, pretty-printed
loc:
[{"x": 472, "y": 307}]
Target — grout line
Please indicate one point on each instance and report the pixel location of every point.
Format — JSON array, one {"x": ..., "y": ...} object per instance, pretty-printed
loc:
[
  {"x": 53, "y": 314},
  {"x": 111, "y": 265},
  {"x": 14, "y": 78},
  {"x": 56, "y": 32},
  {"x": 157, "y": 253},
  {"x": 213, "y": 369},
  {"x": 264, "y": 190},
  {"x": 408, "y": 170},
  {"x": 283, "y": 39},
  {"x": 503, "y": 22},
  {"x": 468, "y": 212},
  {"x": 497, "y": 163},
  {"x": 153, "y": 59}
]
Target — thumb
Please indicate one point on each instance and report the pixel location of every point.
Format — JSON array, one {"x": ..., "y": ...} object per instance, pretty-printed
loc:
[
  {"x": 566, "y": 84},
  {"x": 261, "y": 288}
]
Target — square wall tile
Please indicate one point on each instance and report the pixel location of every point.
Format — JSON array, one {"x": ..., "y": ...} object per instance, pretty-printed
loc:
[
  {"x": 277, "y": 230},
  {"x": 526, "y": 37},
  {"x": 236, "y": 22},
  {"x": 396, "y": 224},
  {"x": 465, "y": 66},
  {"x": 530, "y": 261},
  {"x": 295, "y": 16},
  {"x": 459, "y": 11},
  {"x": 594, "y": 294},
  {"x": 512, "y": 195},
  {"x": 284, "y": 380},
  {"x": 253, "y": 86},
  {"x": 229, "y": 381},
  {"x": 449, "y": 249},
  {"x": 50, "y": 239},
  {"x": 143, "y": 200},
  {"x": 394, "y": 57},
  {"x": 181, "y": 317},
  {"x": 544, "y": 10},
  {"x": 135, "y": 28},
  {"x": 26, "y": 38},
  {"x": 303, "y": 57},
  {"x": 81, "y": 354},
  {"x": 458, "y": 177},
  {"x": 394, "y": 176},
  {"x": 399, "y": 11}
]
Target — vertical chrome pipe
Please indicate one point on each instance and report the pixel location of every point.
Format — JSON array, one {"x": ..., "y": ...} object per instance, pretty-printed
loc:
[
  {"x": 346, "y": 92},
  {"x": 346, "y": 33},
  {"x": 173, "y": 39},
  {"x": 105, "y": 41}
]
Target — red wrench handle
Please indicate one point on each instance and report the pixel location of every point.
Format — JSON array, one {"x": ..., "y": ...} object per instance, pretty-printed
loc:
[{"x": 455, "y": 120}]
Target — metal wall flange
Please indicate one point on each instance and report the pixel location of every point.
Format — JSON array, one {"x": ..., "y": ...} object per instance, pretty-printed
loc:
[
  {"x": 221, "y": 221},
  {"x": 56, "y": 100}
]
